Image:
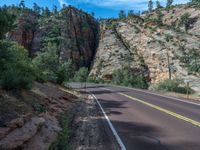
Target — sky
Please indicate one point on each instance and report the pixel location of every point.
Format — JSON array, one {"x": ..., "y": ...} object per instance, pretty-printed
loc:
[{"x": 101, "y": 8}]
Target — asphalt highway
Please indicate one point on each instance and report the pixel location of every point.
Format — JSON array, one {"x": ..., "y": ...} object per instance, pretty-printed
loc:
[{"x": 148, "y": 121}]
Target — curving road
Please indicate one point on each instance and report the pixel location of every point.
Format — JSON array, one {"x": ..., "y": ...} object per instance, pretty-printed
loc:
[{"x": 147, "y": 121}]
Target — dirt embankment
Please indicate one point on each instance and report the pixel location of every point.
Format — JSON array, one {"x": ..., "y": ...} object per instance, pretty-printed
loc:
[{"x": 32, "y": 120}]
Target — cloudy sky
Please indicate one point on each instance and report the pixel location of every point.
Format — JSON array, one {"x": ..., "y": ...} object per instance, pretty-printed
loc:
[{"x": 101, "y": 8}]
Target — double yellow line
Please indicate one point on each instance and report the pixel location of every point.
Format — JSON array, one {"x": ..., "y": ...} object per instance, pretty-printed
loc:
[{"x": 163, "y": 110}]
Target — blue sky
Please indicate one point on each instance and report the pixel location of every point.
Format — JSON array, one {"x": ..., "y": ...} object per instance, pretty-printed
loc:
[{"x": 101, "y": 8}]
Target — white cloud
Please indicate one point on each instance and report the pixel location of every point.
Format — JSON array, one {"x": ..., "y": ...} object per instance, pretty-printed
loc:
[{"x": 62, "y": 2}]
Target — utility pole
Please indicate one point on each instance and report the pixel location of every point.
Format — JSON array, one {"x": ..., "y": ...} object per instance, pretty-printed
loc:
[
  {"x": 188, "y": 86},
  {"x": 169, "y": 67}
]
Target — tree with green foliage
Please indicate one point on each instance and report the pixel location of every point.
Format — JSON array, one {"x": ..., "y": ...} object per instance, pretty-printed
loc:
[
  {"x": 22, "y": 4},
  {"x": 36, "y": 8},
  {"x": 185, "y": 21},
  {"x": 150, "y": 5},
  {"x": 131, "y": 13},
  {"x": 46, "y": 12},
  {"x": 169, "y": 3},
  {"x": 158, "y": 5},
  {"x": 55, "y": 10},
  {"x": 159, "y": 17},
  {"x": 174, "y": 85},
  {"x": 93, "y": 14},
  {"x": 81, "y": 75},
  {"x": 122, "y": 14},
  {"x": 16, "y": 69},
  {"x": 47, "y": 63},
  {"x": 50, "y": 68},
  {"x": 195, "y": 2},
  {"x": 66, "y": 71},
  {"x": 191, "y": 60},
  {"x": 6, "y": 21},
  {"x": 125, "y": 77}
]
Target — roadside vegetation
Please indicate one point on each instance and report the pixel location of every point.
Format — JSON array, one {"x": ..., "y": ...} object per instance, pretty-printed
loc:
[
  {"x": 125, "y": 77},
  {"x": 174, "y": 85},
  {"x": 18, "y": 69},
  {"x": 62, "y": 142}
]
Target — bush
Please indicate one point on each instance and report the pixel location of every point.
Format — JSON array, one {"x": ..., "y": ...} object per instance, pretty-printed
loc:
[
  {"x": 62, "y": 142},
  {"x": 16, "y": 70},
  {"x": 81, "y": 75},
  {"x": 49, "y": 68},
  {"x": 126, "y": 78},
  {"x": 47, "y": 64},
  {"x": 173, "y": 86}
]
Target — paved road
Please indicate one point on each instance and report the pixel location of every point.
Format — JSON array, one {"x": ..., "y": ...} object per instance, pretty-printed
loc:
[{"x": 145, "y": 121}]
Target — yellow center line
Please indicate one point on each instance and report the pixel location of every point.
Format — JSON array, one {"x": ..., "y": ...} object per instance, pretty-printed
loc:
[{"x": 163, "y": 110}]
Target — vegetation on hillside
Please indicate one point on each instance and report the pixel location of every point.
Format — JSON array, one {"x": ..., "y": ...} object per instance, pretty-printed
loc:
[
  {"x": 175, "y": 85},
  {"x": 18, "y": 70},
  {"x": 126, "y": 77}
]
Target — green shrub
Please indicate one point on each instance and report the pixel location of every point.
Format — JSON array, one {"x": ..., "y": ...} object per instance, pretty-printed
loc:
[
  {"x": 126, "y": 78},
  {"x": 62, "y": 142},
  {"x": 47, "y": 64},
  {"x": 173, "y": 86},
  {"x": 81, "y": 75},
  {"x": 49, "y": 68},
  {"x": 16, "y": 70}
]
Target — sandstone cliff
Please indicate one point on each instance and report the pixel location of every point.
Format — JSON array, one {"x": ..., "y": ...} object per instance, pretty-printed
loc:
[
  {"x": 151, "y": 49},
  {"x": 75, "y": 33}
]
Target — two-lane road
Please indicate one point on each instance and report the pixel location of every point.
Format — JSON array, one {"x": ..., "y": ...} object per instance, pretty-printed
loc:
[{"x": 147, "y": 121}]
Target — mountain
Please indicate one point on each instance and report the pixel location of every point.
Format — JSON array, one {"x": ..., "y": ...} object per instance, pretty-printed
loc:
[
  {"x": 74, "y": 32},
  {"x": 155, "y": 45}
]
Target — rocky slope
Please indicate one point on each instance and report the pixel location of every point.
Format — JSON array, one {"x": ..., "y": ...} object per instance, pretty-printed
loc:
[
  {"x": 151, "y": 49},
  {"x": 74, "y": 32}
]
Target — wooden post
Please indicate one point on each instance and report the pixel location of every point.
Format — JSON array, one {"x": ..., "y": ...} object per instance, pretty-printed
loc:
[
  {"x": 169, "y": 67},
  {"x": 188, "y": 90}
]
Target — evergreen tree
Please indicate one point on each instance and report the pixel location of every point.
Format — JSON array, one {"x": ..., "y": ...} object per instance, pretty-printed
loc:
[
  {"x": 122, "y": 14},
  {"x": 6, "y": 21},
  {"x": 131, "y": 13},
  {"x": 169, "y": 3},
  {"x": 195, "y": 2},
  {"x": 46, "y": 12},
  {"x": 158, "y": 5},
  {"x": 159, "y": 17},
  {"x": 81, "y": 75},
  {"x": 93, "y": 14},
  {"x": 22, "y": 4},
  {"x": 55, "y": 9},
  {"x": 36, "y": 8},
  {"x": 150, "y": 5},
  {"x": 185, "y": 21}
]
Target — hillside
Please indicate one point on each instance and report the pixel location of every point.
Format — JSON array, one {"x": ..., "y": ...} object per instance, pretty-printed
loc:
[
  {"x": 152, "y": 45},
  {"x": 74, "y": 32}
]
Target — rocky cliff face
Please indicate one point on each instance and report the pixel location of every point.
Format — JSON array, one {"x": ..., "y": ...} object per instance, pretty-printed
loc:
[
  {"x": 74, "y": 32},
  {"x": 151, "y": 49}
]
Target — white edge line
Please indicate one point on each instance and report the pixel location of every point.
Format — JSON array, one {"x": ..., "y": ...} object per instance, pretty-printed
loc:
[
  {"x": 172, "y": 98},
  {"x": 111, "y": 126}
]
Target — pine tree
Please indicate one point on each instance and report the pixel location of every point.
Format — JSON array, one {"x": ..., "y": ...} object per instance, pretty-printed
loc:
[
  {"x": 131, "y": 13},
  {"x": 158, "y": 5},
  {"x": 36, "y": 8},
  {"x": 46, "y": 12},
  {"x": 169, "y": 3},
  {"x": 55, "y": 9},
  {"x": 6, "y": 22},
  {"x": 22, "y": 4},
  {"x": 122, "y": 14},
  {"x": 150, "y": 5}
]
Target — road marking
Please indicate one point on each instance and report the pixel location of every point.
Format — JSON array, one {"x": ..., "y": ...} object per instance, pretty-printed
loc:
[
  {"x": 110, "y": 124},
  {"x": 163, "y": 110},
  {"x": 172, "y": 98}
]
